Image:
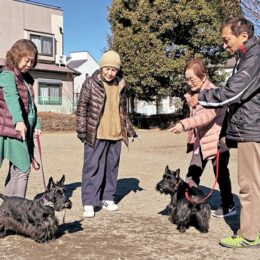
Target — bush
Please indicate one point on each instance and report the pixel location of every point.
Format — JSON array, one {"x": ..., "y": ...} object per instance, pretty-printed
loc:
[
  {"x": 52, "y": 122},
  {"x": 162, "y": 121}
]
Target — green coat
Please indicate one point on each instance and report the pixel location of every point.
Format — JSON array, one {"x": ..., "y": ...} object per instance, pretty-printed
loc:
[{"x": 14, "y": 150}]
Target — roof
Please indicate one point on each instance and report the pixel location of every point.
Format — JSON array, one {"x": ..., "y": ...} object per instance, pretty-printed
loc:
[
  {"x": 40, "y": 4},
  {"x": 55, "y": 68},
  {"x": 75, "y": 63},
  {"x": 49, "y": 67}
]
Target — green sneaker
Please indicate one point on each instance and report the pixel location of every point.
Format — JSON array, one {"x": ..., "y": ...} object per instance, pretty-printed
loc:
[{"x": 238, "y": 241}]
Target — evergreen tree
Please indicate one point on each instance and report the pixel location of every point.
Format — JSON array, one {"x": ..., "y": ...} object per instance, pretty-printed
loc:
[{"x": 156, "y": 38}]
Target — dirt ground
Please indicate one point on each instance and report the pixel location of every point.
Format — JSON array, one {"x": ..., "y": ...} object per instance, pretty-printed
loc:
[{"x": 140, "y": 229}]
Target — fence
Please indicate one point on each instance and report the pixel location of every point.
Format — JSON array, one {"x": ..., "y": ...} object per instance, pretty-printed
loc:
[{"x": 63, "y": 105}]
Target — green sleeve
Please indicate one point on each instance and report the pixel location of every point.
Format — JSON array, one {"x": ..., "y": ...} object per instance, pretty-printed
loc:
[
  {"x": 11, "y": 95},
  {"x": 38, "y": 123}
]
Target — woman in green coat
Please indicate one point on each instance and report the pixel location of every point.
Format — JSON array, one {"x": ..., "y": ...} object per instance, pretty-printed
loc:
[{"x": 19, "y": 122}]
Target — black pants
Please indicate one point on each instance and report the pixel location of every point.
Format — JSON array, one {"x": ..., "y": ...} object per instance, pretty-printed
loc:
[{"x": 197, "y": 167}]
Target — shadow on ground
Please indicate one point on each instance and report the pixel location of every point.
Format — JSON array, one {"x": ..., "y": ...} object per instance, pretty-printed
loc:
[
  {"x": 69, "y": 189},
  {"x": 125, "y": 186},
  {"x": 71, "y": 227}
]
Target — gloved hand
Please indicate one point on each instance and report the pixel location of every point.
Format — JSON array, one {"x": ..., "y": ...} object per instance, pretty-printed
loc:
[
  {"x": 134, "y": 137},
  {"x": 82, "y": 137}
]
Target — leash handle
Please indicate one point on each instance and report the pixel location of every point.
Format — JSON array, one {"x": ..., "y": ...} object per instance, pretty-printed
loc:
[{"x": 212, "y": 189}]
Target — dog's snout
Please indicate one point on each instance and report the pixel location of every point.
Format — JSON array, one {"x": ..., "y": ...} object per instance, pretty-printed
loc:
[
  {"x": 67, "y": 204},
  {"x": 158, "y": 186}
]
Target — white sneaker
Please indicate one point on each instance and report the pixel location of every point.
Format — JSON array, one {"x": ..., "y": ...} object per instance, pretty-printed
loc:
[
  {"x": 109, "y": 205},
  {"x": 88, "y": 211},
  {"x": 222, "y": 213}
]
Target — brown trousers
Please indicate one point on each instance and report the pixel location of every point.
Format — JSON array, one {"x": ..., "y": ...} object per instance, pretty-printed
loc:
[{"x": 249, "y": 195}]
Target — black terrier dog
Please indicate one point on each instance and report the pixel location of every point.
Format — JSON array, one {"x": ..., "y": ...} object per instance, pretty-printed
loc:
[
  {"x": 34, "y": 218},
  {"x": 187, "y": 207}
]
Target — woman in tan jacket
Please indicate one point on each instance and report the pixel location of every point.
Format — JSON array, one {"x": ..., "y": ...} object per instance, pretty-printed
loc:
[{"x": 204, "y": 127}]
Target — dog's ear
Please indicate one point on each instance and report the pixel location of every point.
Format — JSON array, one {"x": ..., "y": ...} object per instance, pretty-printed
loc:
[
  {"x": 177, "y": 172},
  {"x": 166, "y": 168},
  {"x": 50, "y": 183},
  {"x": 61, "y": 181}
]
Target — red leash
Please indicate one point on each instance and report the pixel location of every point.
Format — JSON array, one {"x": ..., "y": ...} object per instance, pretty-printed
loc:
[
  {"x": 216, "y": 179},
  {"x": 35, "y": 164}
]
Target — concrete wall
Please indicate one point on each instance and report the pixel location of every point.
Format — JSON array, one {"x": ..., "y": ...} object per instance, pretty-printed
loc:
[{"x": 19, "y": 19}]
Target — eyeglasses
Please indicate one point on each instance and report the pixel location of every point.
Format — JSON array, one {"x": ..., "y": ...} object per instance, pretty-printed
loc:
[{"x": 191, "y": 79}]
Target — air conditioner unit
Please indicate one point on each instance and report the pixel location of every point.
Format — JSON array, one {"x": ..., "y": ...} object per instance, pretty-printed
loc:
[{"x": 60, "y": 59}]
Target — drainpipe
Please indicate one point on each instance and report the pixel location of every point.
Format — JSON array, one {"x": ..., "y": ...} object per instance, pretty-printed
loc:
[{"x": 61, "y": 32}]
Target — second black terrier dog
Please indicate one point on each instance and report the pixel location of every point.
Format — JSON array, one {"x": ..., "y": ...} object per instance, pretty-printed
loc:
[
  {"x": 34, "y": 218},
  {"x": 185, "y": 211}
]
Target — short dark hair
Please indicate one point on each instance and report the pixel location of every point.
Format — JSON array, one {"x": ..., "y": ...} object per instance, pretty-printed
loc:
[
  {"x": 20, "y": 49},
  {"x": 238, "y": 25},
  {"x": 198, "y": 67}
]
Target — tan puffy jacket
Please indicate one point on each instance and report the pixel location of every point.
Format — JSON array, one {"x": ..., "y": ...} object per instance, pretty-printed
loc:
[{"x": 207, "y": 122}]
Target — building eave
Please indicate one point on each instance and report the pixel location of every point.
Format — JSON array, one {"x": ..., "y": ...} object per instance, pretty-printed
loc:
[
  {"x": 55, "y": 68},
  {"x": 49, "y": 67}
]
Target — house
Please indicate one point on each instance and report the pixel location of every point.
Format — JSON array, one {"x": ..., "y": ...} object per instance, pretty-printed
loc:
[
  {"x": 43, "y": 24},
  {"x": 227, "y": 67},
  {"x": 84, "y": 63},
  {"x": 170, "y": 105},
  {"x": 166, "y": 106}
]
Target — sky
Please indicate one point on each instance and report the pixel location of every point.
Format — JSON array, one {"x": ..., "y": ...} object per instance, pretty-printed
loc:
[{"x": 85, "y": 25}]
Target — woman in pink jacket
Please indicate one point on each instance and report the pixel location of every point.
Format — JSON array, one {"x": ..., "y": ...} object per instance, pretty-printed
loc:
[{"x": 204, "y": 127}]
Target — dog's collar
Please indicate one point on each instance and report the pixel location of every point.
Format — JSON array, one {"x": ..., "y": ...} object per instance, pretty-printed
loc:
[{"x": 46, "y": 202}]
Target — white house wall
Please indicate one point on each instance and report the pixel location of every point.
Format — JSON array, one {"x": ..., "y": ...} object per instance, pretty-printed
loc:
[
  {"x": 149, "y": 108},
  {"x": 87, "y": 68},
  {"x": 56, "y": 24}
]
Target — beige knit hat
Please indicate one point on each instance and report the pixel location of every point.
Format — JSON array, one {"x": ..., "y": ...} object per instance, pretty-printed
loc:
[{"x": 110, "y": 59}]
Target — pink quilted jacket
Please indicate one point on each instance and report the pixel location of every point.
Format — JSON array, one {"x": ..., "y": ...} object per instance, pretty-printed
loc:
[{"x": 208, "y": 124}]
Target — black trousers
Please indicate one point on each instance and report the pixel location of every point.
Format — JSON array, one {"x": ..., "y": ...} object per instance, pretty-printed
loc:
[{"x": 197, "y": 167}]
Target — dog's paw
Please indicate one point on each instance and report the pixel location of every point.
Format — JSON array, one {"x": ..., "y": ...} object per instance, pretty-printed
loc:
[
  {"x": 203, "y": 231},
  {"x": 181, "y": 229},
  {"x": 2, "y": 234}
]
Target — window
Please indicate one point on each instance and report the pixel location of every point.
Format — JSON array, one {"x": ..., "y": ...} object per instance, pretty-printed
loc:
[
  {"x": 171, "y": 101},
  {"x": 44, "y": 44},
  {"x": 49, "y": 94}
]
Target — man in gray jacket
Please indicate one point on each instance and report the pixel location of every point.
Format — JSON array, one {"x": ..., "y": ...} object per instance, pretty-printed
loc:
[{"x": 241, "y": 95}]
